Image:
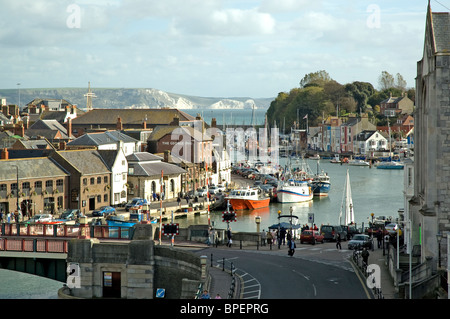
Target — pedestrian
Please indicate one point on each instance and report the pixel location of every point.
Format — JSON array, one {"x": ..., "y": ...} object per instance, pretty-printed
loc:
[
  {"x": 338, "y": 241},
  {"x": 269, "y": 237},
  {"x": 179, "y": 201},
  {"x": 379, "y": 238},
  {"x": 365, "y": 255},
  {"x": 205, "y": 295},
  {"x": 263, "y": 237},
  {"x": 187, "y": 199},
  {"x": 292, "y": 247},
  {"x": 218, "y": 296},
  {"x": 230, "y": 240}
]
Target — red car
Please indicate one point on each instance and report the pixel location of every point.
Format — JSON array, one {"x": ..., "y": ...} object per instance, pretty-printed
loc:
[{"x": 307, "y": 236}]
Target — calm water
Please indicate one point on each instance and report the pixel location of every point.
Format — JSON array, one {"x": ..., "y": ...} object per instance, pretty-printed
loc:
[
  {"x": 18, "y": 285},
  {"x": 374, "y": 191},
  {"x": 231, "y": 117}
]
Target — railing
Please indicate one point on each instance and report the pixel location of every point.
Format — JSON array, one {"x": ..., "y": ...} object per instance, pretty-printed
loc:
[
  {"x": 362, "y": 266},
  {"x": 53, "y": 238},
  {"x": 39, "y": 245}
]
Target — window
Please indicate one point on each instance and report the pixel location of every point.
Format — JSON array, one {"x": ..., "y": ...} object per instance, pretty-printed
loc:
[
  {"x": 48, "y": 184},
  {"x": 3, "y": 187},
  {"x": 105, "y": 179},
  {"x": 84, "y": 181},
  {"x": 105, "y": 198},
  {"x": 92, "y": 180},
  {"x": 59, "y": 183},
  {"x": 99, "y": 199},
  {"x": 99, "y": 180},
  {"x": 26, "y": 187}
]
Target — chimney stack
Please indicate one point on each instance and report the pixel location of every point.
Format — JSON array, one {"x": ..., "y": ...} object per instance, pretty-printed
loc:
[
  {"x": 69, "y": 127},
  {"x": 5, "y": 154},
  {"x": 166, "y": 156},
  {"x": 119, "y": 125},
  {"x": 175, "y": 121},
  {"x": 213, "y": 122}
]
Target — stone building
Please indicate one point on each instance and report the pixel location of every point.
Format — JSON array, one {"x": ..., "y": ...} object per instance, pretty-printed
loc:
[{"x": 429, "y": 207}]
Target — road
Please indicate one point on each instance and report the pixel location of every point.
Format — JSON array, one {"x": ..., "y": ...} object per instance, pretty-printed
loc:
[{"x": 314, "y": 272}]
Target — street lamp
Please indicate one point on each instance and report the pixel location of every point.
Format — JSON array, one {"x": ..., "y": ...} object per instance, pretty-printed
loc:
[
  {"x": 439, "y": 238},
  {"x": 17, "y": 189}
]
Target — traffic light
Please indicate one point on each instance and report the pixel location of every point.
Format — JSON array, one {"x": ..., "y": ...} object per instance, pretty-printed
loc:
[
  {"x": 228, "y": 216},
  {"x": 170, "y": 229}
]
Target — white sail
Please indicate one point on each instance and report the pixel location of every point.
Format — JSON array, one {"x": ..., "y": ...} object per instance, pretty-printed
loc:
[{"x": 347, "y": 204}]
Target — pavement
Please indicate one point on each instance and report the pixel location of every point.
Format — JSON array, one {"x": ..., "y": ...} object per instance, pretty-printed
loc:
[{"x": 221, "y": 280}]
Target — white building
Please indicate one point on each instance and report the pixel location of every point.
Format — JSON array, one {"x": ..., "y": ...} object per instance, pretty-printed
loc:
[{"x": 367, "y": 142}]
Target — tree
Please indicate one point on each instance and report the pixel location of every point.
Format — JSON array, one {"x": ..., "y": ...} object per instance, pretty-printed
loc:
[
  {"x": 400, "y": 83},
  {"x": 385, "y": 81},
  {"x": 318, "y": 78}
]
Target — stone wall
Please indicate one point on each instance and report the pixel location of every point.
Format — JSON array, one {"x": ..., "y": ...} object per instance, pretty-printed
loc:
[{"x": 143, "y": 267}]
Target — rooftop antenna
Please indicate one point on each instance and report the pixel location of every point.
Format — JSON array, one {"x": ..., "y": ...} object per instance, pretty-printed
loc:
[{"x": 89, "y": 95}]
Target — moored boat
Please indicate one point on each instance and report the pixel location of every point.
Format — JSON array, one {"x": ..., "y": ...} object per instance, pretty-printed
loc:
[
  {"x": 336, "y": 159},
  {"x": 358, "y": 162},
  {"x": 294, "y": 191},
  {"x": 390, "y": 165},
  {"x": 248, "y": 198}
]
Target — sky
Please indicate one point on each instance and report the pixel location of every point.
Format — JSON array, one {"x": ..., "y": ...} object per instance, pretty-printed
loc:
[{"x": 208, "y": 48}]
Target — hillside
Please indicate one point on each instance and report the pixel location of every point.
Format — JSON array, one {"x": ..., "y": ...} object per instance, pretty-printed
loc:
[{"x": 133, "y": 98}]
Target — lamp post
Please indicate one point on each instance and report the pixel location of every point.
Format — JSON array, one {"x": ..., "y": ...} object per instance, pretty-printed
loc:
[
  {"x": 17, "y": 189},
  {"x": 258, "y": 222},
  {"x": 439, "y": 238}
]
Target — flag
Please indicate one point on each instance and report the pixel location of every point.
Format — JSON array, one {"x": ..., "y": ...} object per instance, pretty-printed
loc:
[{"x": 306, "y": 116}]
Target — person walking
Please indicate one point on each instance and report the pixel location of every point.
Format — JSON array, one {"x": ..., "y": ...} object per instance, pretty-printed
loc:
[
  {"x": 229, "y": 236},
  {"x": 365, "y": 255},
  {"x": 269, "y": 238},
  {"x": 379, "y": 238},
  {"x": 338, "y": 241},
  {"x": 292, "y": 246}
]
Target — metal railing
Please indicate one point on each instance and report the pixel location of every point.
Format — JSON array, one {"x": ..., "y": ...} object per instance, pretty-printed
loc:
[{"x": 362, "y": 266}]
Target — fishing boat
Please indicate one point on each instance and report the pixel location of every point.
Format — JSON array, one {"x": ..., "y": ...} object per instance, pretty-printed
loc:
[
  {"x": 346, "y": 214},
  {"x": 294, "y": 191},
  {"x": 320, "y": 183},
  {"x": 358, "y": 162},
  {"x": 336, "y": 159},
  {"x": 315, "y": 157},
  {"x": 390, "y": 165},
  {"x": 248, "y": 198}
]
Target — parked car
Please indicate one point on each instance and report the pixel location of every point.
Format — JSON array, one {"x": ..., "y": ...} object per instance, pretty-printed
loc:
[
  {"x": 360, "y": 241},
  {"x": 330, "y": 232},
  {"x": 41, "y": 218},
  {"x": 310, "y": 236},
  {"x": 104, "y": 211},
  {"x": 70, "y": 214},
  {"x": 201, "y": 192},
  {"x": 392, "y": 228},
  {"x": 351, "y": 231},
  {"x": 213, "y": 190},
  {"x": 136, "y": 202}
]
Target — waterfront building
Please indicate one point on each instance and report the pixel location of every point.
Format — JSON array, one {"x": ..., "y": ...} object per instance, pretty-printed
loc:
[
  {"x": 109, "y": 140},
  {"x": 33, "y": 184},
  {"x": 395, "y": 106},
  {"x": 429, "y": 207},
  {"x": 367, "y": 142},
  {"x": 145, "y": 171},
  {"x": 89, "y": 178}
]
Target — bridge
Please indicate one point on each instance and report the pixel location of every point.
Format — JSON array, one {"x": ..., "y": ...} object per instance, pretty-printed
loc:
[{"x": 41, "y": 249}]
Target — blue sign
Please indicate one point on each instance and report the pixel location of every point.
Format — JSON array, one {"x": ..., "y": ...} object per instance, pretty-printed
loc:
[{"x": 160, "y": 292}]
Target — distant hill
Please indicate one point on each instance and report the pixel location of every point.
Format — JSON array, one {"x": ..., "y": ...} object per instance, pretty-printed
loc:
[{"x": 133, "y": 98}]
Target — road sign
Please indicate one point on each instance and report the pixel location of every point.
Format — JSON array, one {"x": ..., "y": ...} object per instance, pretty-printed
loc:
[
  {"x": 228, "y": 216},
  {"x": 160, "y": 293},
  {"x": 170, "y": 229},
  {"x": 311, "y": 217}
]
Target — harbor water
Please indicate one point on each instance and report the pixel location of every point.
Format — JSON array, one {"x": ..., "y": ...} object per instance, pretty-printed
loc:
[{"x": 376, "y": 191}]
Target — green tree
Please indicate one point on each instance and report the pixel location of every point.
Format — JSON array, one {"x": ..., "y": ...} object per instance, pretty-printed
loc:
[{"x": 318, "y": 78}]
